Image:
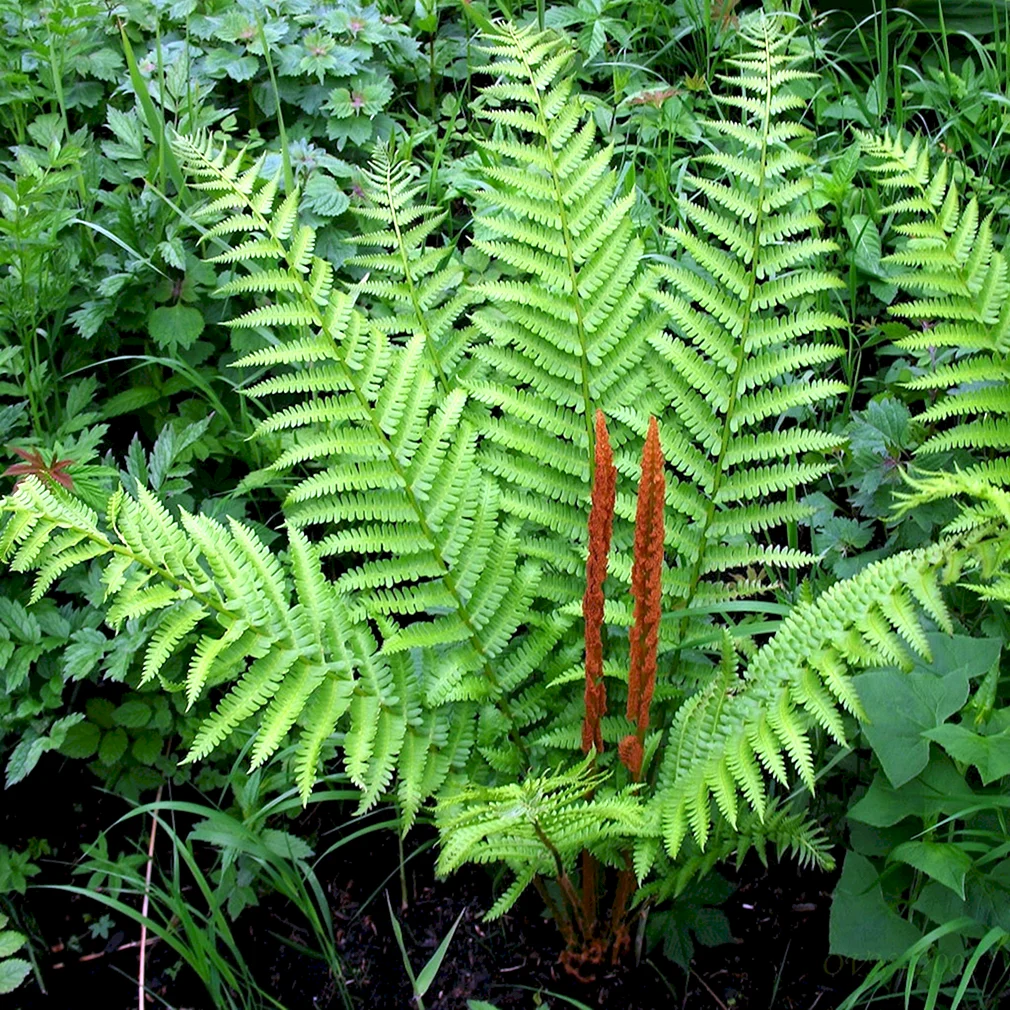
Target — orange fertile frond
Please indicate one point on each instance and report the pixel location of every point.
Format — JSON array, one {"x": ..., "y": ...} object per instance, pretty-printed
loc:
[
  {"x": 646, "y": 575},
  {"x": 601, "y": 523}
]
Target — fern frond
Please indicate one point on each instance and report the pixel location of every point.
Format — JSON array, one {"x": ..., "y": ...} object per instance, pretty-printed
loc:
[
  {"x": 958, "y": 287},
  {"x": 745, "y": 304},
  {"x": 564, "y": 329},
  {"x": 200, "y": 576},
  {"x": 726, "y": 736},
  {"x": 419, "y": 284}
]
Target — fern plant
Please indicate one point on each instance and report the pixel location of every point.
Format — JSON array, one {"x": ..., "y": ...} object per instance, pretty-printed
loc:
[{"x": 432, "y": 613}]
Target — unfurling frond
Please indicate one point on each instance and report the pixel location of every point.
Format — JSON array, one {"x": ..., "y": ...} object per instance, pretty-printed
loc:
[{"x": 536, "y": 827}]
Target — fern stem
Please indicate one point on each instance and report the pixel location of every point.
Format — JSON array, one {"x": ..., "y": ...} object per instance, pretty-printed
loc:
[
  {"x": 562, "y": 920},
  {"x": 564, "y": 881}
]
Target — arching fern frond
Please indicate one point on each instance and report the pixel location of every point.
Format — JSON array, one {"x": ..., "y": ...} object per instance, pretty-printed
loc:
[
  {"x": 728, "y": 736},
  {"x": 280, "y": 638}
]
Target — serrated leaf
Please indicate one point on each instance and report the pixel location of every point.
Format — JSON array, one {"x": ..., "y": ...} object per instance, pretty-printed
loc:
[
  {"x": 323, "y": 196},
  {"x": 133, "y": 714},
  {"x": 175, "y": 326},
  {"x": 113, "y": 746},
  {"x": 12, "y": 973}
]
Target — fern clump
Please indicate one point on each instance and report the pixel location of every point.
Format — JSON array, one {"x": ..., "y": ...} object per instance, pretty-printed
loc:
[{"x": 431, "y": 613}]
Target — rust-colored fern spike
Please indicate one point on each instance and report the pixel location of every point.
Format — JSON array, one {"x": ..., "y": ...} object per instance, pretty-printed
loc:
[
  {"x": 601, "y": 524},
  {"x": 646, "y": 576}
]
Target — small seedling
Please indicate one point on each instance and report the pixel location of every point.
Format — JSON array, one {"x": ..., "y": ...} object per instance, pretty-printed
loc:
[{"x": 421, "y": 982}]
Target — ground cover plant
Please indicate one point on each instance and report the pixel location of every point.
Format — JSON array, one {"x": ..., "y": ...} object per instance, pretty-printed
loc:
[{"x": 559, "y": 451}]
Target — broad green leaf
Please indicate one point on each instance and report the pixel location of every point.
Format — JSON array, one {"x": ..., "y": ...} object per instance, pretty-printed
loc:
[
  {"x": 287, "y": 845},
  {"x": 10, "y": 941},
  {"x": 171, "y": 326},
  {"x": 12, "y": 974},
  {"x": 901, "y": 706},
  {"x": 113, "y": 746},
  {"x": 940, "y": 789},
  {"x": 945, "y": 862},
  {"x": 865, "y": 238},
  {"x": 81, "y": 740},
  {"x": 989, "y": 754},
  {"x": 132, "y": 714},
  {"x": 862, "y": 925},
  {"x": 323, "y": 196},
  {"x": 147, "y": 746}
]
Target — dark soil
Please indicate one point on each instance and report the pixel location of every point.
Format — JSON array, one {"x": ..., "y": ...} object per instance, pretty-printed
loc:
[
  {"x": 779, "y": 960},
  {"x": 778, "y": 917}
]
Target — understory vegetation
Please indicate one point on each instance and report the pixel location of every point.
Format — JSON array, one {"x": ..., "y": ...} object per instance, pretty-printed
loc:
[{"x": 490, "y": 481}]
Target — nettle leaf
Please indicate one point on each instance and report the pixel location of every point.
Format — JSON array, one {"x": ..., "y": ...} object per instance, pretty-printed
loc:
[
  {"x": 322, "y": 195},
  {"x": 132, "y": 714},
  {"x": 12, "y": 973},
  {"x": 113, "y": 746},
  {"x": 175, "y": 326},
  {"x": 105, "y": 64},
  {"x": 226, "y": 63}
]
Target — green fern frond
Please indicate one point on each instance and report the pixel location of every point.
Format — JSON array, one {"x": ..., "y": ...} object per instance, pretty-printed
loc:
[
  {"x": 565, "y": 326},
  {"x": 958, "y": 287},
  {"x": 197, "y": 576},
  {"x": 726, "y": 737},
  {"x": 418, "y": 284},
  {"x": 746, "y": 309},
  {"x": 537, "y": 827}
]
